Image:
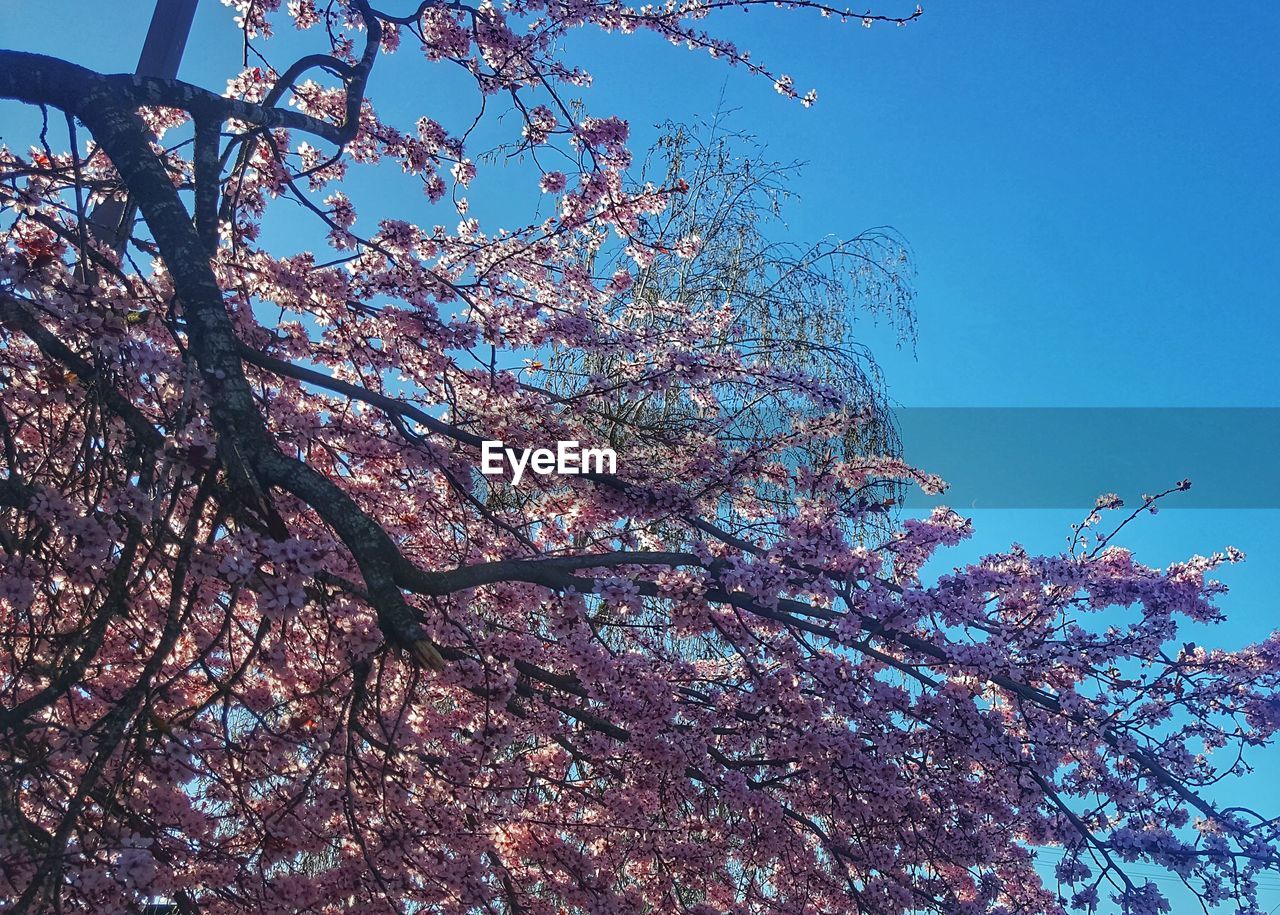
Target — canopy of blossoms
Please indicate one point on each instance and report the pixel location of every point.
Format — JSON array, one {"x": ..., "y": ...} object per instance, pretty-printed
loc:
[{"x": 270, "y": 643}]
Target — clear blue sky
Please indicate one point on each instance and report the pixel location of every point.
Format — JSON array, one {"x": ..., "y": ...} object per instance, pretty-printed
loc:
[{"x": 1091, "y": 190}]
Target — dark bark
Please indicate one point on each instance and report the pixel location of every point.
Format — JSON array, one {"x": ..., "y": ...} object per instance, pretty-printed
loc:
[{"x": 250, "y": 457}]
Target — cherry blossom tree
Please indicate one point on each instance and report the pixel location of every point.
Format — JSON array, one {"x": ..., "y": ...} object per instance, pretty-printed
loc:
[{"x": 270, "y": 643}]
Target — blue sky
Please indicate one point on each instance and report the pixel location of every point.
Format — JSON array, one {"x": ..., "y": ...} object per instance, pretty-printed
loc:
[{"x": 1091, "y": 191}]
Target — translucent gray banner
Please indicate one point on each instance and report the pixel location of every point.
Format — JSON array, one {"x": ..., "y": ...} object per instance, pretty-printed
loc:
[{"x": 1037, "y": 457}]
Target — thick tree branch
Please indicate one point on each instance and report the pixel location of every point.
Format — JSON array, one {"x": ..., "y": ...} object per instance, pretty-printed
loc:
[{"x": 249, "y": 455}]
